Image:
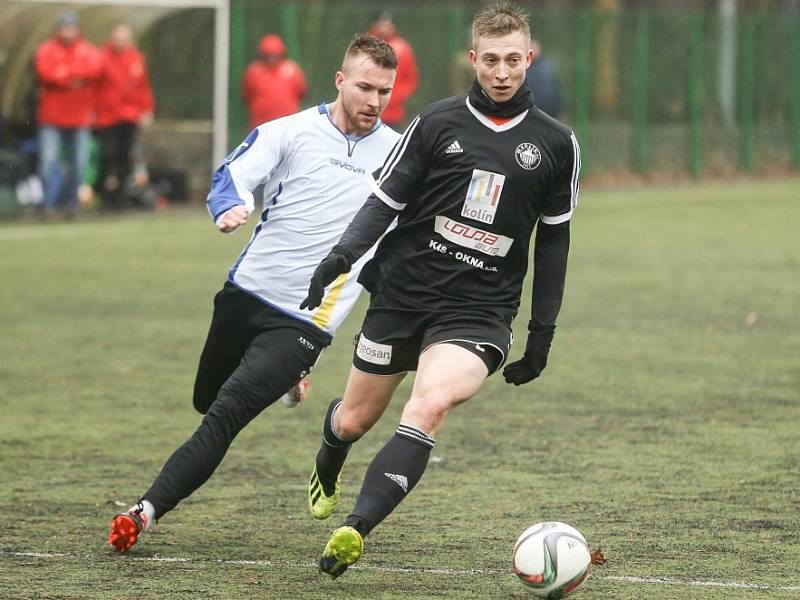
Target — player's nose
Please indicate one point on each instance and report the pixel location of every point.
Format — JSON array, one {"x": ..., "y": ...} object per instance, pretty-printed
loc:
[{"x": 373, "y": 100}]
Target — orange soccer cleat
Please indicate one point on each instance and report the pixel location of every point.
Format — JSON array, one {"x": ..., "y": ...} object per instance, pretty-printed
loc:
[{"x": 125, "y": 529}]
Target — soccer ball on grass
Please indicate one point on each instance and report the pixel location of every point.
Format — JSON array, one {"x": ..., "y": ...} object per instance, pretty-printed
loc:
[{"x": 552, "y": 559}]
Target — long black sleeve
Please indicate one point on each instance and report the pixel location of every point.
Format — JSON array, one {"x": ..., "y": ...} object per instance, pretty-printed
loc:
[
  {"x": 549, "y": 275},
  {"x": 366, "y": 228}
]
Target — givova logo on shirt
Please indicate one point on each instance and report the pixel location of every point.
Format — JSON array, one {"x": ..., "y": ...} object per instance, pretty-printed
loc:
[
  {"x": 483, "y": 195},
  {"x": 373, "y": 352},
  {"x": 347, "y": 166}
]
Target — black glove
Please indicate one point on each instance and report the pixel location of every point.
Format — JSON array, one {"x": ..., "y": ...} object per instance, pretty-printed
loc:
[
  {"x": 325, "y": 274},
  {"x": 533, "y": 362}
]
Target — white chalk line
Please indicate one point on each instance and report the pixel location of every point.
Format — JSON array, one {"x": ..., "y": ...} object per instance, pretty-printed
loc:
[
  {"x": 664, "y": 581},
  {"x": 715, "y": 584}
]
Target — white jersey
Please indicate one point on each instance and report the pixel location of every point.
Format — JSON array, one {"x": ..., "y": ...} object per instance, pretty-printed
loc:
[{"x": 314, "y": 179}]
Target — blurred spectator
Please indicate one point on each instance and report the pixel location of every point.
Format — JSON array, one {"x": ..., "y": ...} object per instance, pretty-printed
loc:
[
  {"x": 407, "y": 76},
  {"x": 124, "y": 103},
  {"x": 66, "y": 68},
  {"x": 273, "y": 85},
  {"x": 544, "y": 82},
  {"x": 21, "y": 136}
]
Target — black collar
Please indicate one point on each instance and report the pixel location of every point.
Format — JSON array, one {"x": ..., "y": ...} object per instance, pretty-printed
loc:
[{"x": 519, "y": 102}]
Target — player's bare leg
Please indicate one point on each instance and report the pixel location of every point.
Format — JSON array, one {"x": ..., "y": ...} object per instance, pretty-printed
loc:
[
  {"x": 365, "y": 400},
  {"x": 447, "y": 375}
]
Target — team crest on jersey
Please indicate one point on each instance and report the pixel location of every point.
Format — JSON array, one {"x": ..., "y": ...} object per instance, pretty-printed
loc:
[
  {"x": 528, "y": 156},
  {"x": 483, "y": 196}
]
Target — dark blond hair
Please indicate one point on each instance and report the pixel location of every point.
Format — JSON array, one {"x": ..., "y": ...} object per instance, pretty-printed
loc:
[
  {"x": 379, "y": 51},
  {"x": 499, "y": 19}
]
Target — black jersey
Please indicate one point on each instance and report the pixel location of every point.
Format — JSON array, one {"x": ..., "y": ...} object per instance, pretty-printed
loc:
[{"x": 469, "y": 193}]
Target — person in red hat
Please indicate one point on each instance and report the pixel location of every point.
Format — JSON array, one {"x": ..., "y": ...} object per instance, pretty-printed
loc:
[
  {"x": 66, "y": 68},
  {"x": 124, "y": 102},
  {"x": 405, "y": 85},
  {"x": 273, "y": 85}
]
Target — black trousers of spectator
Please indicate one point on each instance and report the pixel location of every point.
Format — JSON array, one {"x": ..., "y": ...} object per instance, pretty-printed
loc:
[
  {"x": 115, "y": 164},
  {"x": 253, "y": 355}
]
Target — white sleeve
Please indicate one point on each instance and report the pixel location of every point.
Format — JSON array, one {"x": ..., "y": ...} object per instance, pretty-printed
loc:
[{"x": 247, "y": 167}]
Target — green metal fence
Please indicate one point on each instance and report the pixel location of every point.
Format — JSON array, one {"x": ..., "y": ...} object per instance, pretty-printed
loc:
[{"x": 645, "y": 90}]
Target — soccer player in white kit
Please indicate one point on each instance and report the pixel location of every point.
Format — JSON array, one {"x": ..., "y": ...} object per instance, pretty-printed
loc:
[{"x": 313, "y": 167}]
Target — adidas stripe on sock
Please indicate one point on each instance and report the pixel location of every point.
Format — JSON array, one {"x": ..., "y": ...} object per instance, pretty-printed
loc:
[
  {"x": 391, "y": 476},
  {"x": 332, "y": 452},
  {"x": 330, "y": 435},
  {"x": 414, "y": 434}
]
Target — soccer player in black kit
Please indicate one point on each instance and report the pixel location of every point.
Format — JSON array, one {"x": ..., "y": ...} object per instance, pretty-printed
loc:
[{"x": 468, "y": 182}]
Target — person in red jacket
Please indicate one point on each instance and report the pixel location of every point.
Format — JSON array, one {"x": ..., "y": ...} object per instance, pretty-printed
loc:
[
  {"x": 66, "y": 66},
  {"x": 273, "y": 86},
  {"x": 407, "y": 75},
  {"x": 124, "y": 102}
]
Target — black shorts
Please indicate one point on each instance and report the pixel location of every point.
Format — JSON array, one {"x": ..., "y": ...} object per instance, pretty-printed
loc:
[
  {"x": 392, "y": 339},
  {"x": 255, "y": 348}
]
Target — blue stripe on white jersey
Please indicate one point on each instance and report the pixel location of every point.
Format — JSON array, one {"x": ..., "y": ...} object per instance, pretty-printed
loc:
[
  {"x": 351, "y": 139},
  {"x": 224, "y": 194},
  {"x": 264, "y": 217}
]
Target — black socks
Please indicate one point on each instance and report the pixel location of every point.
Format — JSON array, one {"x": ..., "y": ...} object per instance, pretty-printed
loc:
[
  {"x": 391, "y": 475},
  {"x": 333, "y": 452}
]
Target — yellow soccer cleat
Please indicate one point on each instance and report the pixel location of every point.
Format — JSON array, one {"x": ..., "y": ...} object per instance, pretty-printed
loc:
[
  {"x": 343, "y": 549},
  {"x": 320, "y": 505}
]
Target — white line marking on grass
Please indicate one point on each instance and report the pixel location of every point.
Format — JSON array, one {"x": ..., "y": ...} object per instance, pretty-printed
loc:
[
  {"x": 272, "y": 563},
  {"x": 38, "y": 554},
  {"x": 719, "y": 584},
  {"x": 664, "y": 581}
]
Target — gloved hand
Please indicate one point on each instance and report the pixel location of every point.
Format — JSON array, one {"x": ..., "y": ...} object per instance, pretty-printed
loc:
[
  {"x": 326, "y": 272},
  {"x": 533, "y": 361}
]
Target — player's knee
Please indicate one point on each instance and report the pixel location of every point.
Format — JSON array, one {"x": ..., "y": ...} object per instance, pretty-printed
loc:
[
  {"x": 229, "y": 414},
  {"x": 204, "y": 394},
  {"x": 242, "y": 401},
  {"x": 351, "y": 424},
  {"x": 428, "y": 410},
  {"x": 202, "y": 402}
]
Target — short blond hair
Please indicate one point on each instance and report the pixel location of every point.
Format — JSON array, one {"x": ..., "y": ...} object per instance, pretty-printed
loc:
[{"x": 500, "y": 19}]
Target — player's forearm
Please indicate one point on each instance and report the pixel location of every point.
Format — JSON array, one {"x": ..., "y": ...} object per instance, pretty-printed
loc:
[
  {"x": 366, "y": 228},
  {"x": 226, "y": 193},
  {"x": 550, "y": 272}
]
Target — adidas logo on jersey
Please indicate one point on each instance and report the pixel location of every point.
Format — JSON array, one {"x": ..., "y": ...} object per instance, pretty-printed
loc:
[
  {"x": 454, "y": 148},
  {"x": 400, "y": 480}
]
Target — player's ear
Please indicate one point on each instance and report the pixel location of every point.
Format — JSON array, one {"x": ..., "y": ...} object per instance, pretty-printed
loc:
[
  {"x": 530, "y": 57},
  {"x": 473, "y": 56},
  {"x": 339, "y": 80}
]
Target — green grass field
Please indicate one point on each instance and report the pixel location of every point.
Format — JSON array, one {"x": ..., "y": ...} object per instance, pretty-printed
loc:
[{"x": 665, "y": 427}]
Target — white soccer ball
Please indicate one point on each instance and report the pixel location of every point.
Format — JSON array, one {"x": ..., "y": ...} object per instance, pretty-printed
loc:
[{"x": 552, "y": 559}]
